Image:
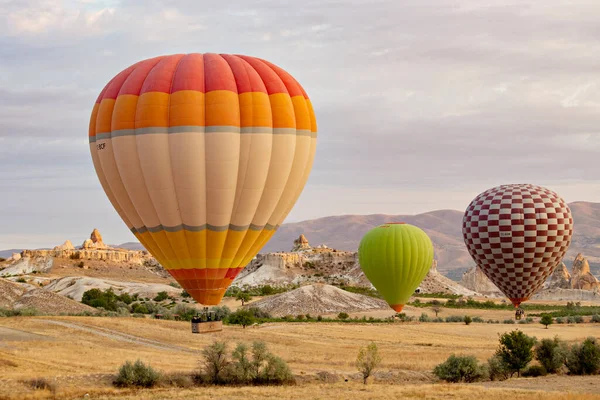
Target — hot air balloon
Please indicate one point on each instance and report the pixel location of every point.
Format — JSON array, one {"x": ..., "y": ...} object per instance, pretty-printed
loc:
[
  {"x": 203, "y": 156},
  {"x": 395, "y": 257},
  {"x": 517, "y": 234}
]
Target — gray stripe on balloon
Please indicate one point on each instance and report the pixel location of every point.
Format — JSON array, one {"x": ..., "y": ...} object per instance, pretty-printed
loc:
[
  {"x": 202, "y": 129},
  {"x": 199, "y": 228}
]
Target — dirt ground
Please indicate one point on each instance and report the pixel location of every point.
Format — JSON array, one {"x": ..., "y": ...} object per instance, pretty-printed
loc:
[{"x": 80, "y": 355}]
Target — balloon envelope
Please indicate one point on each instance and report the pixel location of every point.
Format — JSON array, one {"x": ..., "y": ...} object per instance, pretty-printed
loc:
[
  {"x": 395, "y": 257},
  {"x": 203, "y": 156},
  {"x": 517, "y": 234}
]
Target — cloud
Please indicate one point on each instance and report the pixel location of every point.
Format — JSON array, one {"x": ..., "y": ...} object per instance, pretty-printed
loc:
[{"x": 420, "y": 104}]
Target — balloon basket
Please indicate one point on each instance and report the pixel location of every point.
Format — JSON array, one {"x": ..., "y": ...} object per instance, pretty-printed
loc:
[{"x": 206, "y": 322}]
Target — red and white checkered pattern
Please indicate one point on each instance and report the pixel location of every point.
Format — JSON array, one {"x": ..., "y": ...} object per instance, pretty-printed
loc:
[{"x": 517, "y": 235}]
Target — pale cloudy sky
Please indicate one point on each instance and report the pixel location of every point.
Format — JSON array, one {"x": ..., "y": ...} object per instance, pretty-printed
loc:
[{"x": 421, "y": 104}]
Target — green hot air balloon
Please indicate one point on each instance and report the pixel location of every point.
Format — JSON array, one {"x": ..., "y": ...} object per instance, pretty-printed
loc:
[{"x": 395, "y": 257}]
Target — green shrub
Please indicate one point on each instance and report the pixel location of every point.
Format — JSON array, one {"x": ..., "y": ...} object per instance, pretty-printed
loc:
[
  {"x": 185, "y": 312},
  {"x": 508, "y": 321},
  {"x": 215, "y": 363},
  {"x": 424, "y": 318},
  {"x": 455, "y": 318},
  {"x": 267, "y": 290},
  {"x": 515, "y": 350},
  {"x": 438, "y": 319},
  {"x": 343, "y": 316},
  {"x": 138, "y": 308},
  {"x": 300, "y": 317},
  {"x": 404, "y": 318},
  {"x": 535, "y": 371},
  {"x": 460, "y": 369},
  {"x": 584, "y": 358},
  {"x": 161, "y": 296},
  {"x": 578, "y": 319},
  {"x": 241, "y": 317},
  {"x": 559, "y": 320},
  {"x": 22, "y": 280},
  {"x": 221, "y": 312},
  {"x": 136, "y": 374},
  {"x": 185, "y": 294},
  {"x": 497, "y": 369},
  {"x": 320, "y": 318},
  {"x": 551, "y": 354},
  {"x": 570, "y": 319},
  {"x": 595, "y": 318},
  {"x": 478, "y": 320},
  {"x": 276, "y": 371},
  {"x": 467, "y": 320}
]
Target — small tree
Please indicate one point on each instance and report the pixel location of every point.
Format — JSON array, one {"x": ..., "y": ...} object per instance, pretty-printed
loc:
[
  {"x": 367, "y": 360},
  {"x": 436, "y": 309},
  {"x": 546, "y": 320},
  {"x": 243, "y": 297},
  {"x": 215, "y": 362},
  {"x": 515, "y": 350},
  {"x": 551, "y": 354},
  {"x": 467, "y": 320}
]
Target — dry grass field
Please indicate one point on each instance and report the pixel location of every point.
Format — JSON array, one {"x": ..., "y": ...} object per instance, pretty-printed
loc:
[{"x": 80, "y": 354}]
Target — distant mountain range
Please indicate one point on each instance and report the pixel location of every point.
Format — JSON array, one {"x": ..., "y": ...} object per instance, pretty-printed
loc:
[{"x": 443, "y": 227}]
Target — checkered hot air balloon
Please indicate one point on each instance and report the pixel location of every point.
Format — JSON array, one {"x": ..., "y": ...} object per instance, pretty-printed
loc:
[
  {"x": 203, "y": 156},
  {"x": 517, "y": 234}
]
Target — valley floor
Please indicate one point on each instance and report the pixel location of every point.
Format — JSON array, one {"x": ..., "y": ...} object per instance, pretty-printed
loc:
[{"x": 80, "y": 355}]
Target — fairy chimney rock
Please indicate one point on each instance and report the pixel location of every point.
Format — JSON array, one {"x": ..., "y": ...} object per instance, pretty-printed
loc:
[
  {"x": 582, "y": 277},
  {"x": 301, "y": 244},
  {"x": 95, "y": 241},
  {"x": 560, "y": 278}
]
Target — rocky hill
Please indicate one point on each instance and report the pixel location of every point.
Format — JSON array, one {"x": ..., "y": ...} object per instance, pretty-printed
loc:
[{"x": 318, "y": 299}]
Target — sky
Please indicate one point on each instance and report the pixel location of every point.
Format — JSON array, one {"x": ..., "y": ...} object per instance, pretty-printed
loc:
[{"x": 420, "y": 105}]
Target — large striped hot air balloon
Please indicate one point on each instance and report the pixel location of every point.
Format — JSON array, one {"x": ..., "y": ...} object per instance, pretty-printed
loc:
[
  {"x": 395, "y": 258},
  {"x": 517, "y": 234},
  {"x": 203, "y": 156}
]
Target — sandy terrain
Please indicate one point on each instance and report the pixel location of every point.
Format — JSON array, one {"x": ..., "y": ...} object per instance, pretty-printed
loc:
[{"x": 81, "y": 353}]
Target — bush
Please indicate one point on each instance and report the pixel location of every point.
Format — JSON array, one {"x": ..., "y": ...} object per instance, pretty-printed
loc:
[
  {"x": 497, "y": 369},
  {"x": 578, "y": 319},
  {"x": 267, "y": 290},
  {"x": 570, "y": 319},
  {"x": 320, "y": 318},
  {"x": 595, "y": 318},
  {"x": 221, "y": 312},
  {"x": 424, "y": 318},
  {"x": 467, "y": 320},
  {"x": 215, "y": 363},
  {"x": 546, "y": 320},
  {"x": 515, "y": 350},
  {"x": 438, "y": 319},
  {"x": 161, "y": 296},
  {"x": 185, "y": 294},
  {"x": 41, "y": 384},
  {"x": 559, "y": 320},
  {"x": 136, "y": 374},
  {"x": 455, "y": 318},
  {"x": 177, "y": 380},
  {"x": 508, "y": 321},
  {"x": 185, "y": 312},
  {"x": 241, "y": 317},
  {"x": 478, "y": 320},
  {"x": 404, "y": 318},
  {"x": 535, "y": 371},
  {"x": 584, "y": 358},
  {"x": 367, "y": 360},
  {"x": 276, "y": 371},
  {"x": 343, "y": 316},
  {"x": 22, "y": 280},
  {"x": 551, "y": 354},
  {"x": 300, "y": 317},
  {"x": 460, "y": 369}
]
